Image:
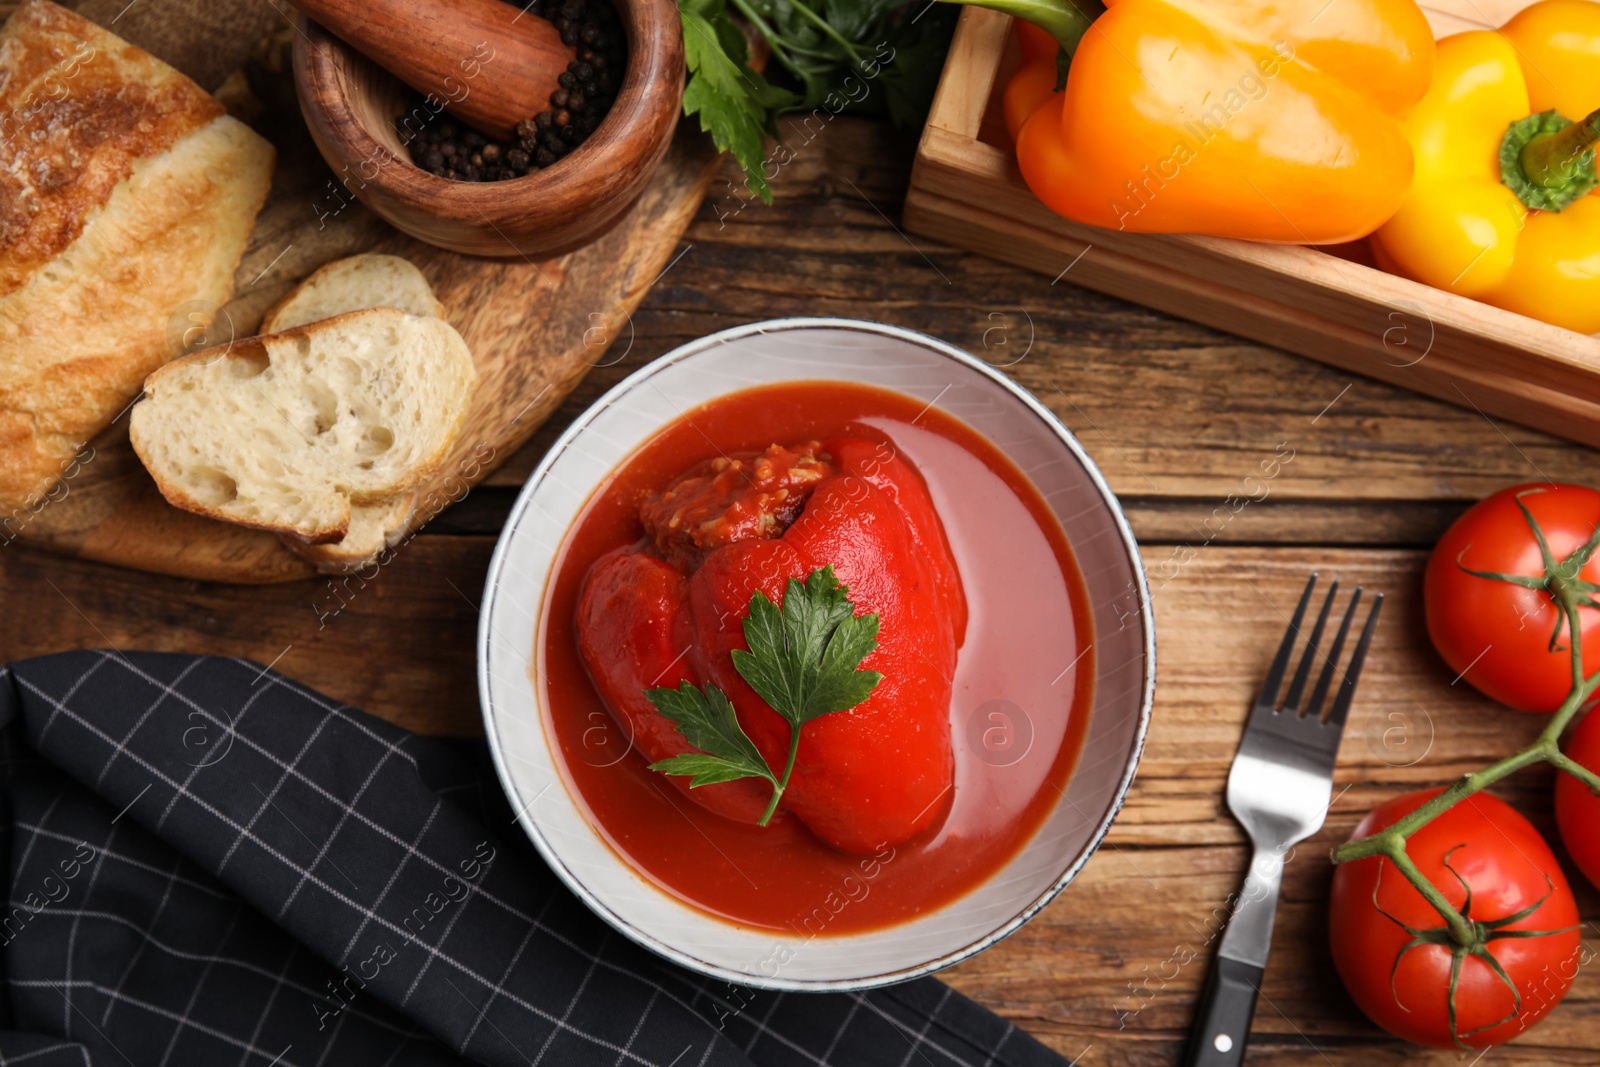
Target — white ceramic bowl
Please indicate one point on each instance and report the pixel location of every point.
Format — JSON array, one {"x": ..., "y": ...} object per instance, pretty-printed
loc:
[{"x": 800, "y": 349}]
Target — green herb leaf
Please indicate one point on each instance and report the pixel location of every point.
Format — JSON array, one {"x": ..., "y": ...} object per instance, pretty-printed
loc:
[
  {"x": 706, "y": 720},
  {"x": 803, "y": 661},
  {"x": 803, "y": 657},
  {"x": 877, "y": 57},
  {"x": 735, "y": 104}
]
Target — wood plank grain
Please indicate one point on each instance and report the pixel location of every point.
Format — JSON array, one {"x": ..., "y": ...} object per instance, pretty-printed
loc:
[
  {"x": 1116, "y": 962},
  {"x": 400, "y": 644},
  {"x": 1177, "y": 414},
  {"x": 1167, "y": 408}
]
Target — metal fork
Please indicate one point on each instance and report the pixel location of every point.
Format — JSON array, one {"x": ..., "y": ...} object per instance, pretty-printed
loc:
[{"x": 1279, "y": 789}]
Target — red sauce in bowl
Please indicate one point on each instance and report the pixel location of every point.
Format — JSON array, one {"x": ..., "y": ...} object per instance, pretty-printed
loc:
[{"x": 1019, "y": 710}]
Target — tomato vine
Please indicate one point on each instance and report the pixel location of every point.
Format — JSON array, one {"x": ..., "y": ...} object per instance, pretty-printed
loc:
[{"x": 1569, "y": 592}]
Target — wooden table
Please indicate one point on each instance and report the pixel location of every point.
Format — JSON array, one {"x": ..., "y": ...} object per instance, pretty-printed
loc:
[{"x": 1177, "y": 416}]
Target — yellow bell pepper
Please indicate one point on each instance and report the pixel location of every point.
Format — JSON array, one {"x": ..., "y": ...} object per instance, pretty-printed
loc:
[
  {"x": 1275, "y": 120},
  {"x": 1502, "y": 207}
]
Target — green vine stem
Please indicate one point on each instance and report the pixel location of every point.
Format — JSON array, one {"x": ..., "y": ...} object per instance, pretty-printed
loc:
[
  {"x": 826, "y": 29},
  {"x": 753, "y": 16},
  {"x": 1065, "y": 20},
  {"x": 1562, "y": 582}
]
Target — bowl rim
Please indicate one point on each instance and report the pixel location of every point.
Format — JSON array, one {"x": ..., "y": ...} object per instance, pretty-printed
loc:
[{"x": 489, "y": 601}]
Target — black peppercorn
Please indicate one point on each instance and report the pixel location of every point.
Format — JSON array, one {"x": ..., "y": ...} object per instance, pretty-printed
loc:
[{"x": 587, "y": 89}]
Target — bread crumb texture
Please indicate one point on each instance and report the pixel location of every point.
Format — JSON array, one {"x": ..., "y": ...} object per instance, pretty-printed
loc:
[{"x": 289, "y": 431}]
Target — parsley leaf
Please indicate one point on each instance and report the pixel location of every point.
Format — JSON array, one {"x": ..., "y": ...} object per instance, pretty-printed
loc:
[
  {"x": 804, "y": 661},
  {"x": 735, "y": 104},
  {"x": 877, "y": 57},
  {"x": 803, "y": 657},
  {"x": 708, "y": 722}
]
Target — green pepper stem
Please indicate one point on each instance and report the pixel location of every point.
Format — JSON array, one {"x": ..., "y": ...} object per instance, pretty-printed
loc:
[
  {"x": 1065, "y": 20},
  {"x": 1549, "y": 160}
]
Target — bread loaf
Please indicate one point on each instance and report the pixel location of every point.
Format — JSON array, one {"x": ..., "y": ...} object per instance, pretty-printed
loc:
[
  {"x": 287, "y": 431},
  {"x": 126, "y": 198}
]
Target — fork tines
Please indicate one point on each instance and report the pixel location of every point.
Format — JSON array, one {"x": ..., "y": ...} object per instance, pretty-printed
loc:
[{"x": 1315, "y": 651}]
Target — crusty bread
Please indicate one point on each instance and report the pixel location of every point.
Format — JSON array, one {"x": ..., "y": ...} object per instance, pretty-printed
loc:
[
  {"x": 351, "y": 284},
  {"x": 369, "y": 280},
  {"x": 126, "y": 199},
  {"x": 285, "y": 432},
  {"x": 373, "y": 528}
]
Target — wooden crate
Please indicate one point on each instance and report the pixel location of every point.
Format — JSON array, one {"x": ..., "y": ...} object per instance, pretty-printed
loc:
[{"x": 966, "y": 191}]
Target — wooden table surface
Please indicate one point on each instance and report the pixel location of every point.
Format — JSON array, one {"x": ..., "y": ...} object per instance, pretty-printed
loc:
[{"x": 1177, "y": 416}]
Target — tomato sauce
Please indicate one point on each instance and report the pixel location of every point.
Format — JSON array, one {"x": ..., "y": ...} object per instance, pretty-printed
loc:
[{"x": 1019, "y": 709}]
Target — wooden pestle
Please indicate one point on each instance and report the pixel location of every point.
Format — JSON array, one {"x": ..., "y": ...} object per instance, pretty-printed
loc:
[{"x": 491, "y": 63}]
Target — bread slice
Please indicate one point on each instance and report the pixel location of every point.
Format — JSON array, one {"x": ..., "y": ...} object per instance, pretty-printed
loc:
[
  {"x": 285, "y": 432},
  {"x": 126, "y": 199},
  {"x": 373, "y": 528},
  {"x": 369, "y": 280}
]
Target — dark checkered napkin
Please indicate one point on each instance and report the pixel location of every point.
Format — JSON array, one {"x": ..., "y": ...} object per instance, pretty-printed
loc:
[{"x": 210, "y": 865}]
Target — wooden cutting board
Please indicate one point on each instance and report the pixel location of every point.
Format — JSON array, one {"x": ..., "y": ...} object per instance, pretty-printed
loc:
[{"x": 534, "y": 329}]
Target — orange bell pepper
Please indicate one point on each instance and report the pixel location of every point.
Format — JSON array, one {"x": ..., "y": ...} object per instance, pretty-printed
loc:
[{"x": 1240, "y": 118}]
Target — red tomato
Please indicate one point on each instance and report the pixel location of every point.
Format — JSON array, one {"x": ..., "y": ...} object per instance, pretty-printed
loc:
[
  {"x": 1498, "y": 634},
  {"x": 1510, "y": 868},
  {"x": 1577, "y": 809}
]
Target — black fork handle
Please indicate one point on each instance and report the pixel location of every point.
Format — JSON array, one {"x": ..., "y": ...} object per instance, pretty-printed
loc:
[{"x": 1222, "y": 1027}]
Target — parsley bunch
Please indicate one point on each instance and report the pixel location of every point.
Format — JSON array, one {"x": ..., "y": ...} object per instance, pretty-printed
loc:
[
  {"x": 804, "y": 661},
  {"x": 879, "y": 57}
]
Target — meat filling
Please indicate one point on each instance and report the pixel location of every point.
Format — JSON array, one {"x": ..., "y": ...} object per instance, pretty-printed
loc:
[{"x": 743, "y": 497}]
